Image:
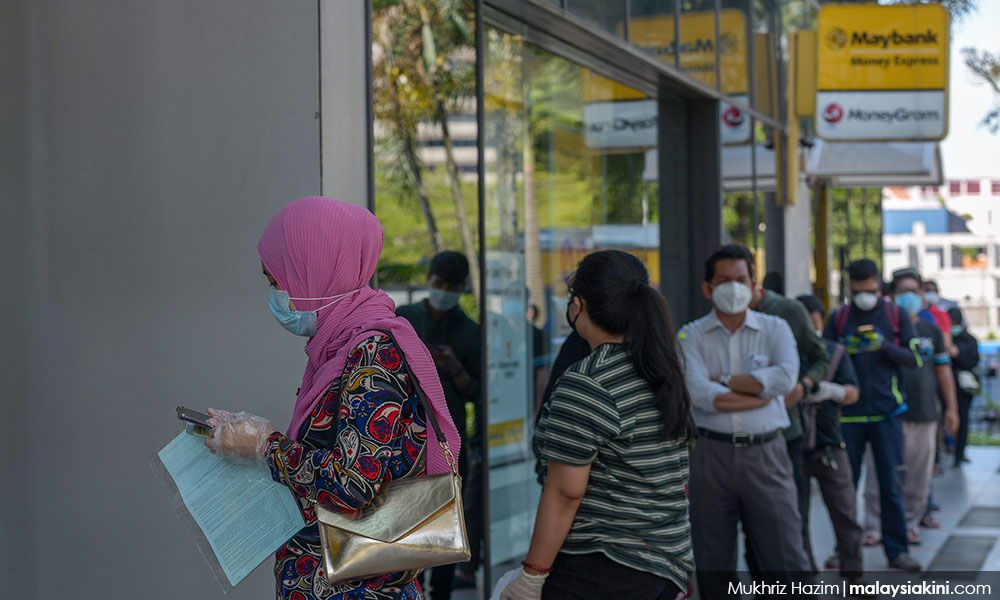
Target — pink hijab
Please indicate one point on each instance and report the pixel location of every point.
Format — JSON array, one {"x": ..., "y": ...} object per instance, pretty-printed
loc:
[{"x": 319, "y": 247}]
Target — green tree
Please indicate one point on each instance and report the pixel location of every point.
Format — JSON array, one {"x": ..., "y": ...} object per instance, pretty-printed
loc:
[{"x": 985, "y": 66}]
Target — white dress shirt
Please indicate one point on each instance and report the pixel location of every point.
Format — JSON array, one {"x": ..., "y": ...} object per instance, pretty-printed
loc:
[{"x": 763, "y": 347}]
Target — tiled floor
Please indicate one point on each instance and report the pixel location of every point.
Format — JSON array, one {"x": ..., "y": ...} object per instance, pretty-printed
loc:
[
  {"x": 976, "y": 484},
  {"x": 956, "y": 491}
]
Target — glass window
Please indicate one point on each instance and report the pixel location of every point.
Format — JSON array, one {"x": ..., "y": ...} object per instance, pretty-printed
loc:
[
  {"x": 425, "y": 139},
  {"x": 651, "y": 28},
  {"x": 570, "y": 169},
  {"x": 425, "y": 171},
  {"x": 768, "y": 56},
  {"x": 734, "y": 71},
  {"x": 972, "y": 187},
  {"x": 954, "y": 188},
  {"x": 608, "y": 15},
  {"x": 743, "y": 194},
  {"x": 995, "y": 187}
]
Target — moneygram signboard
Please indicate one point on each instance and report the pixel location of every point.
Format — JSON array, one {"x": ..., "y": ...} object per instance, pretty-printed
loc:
[{"x": 882, "y": 72}]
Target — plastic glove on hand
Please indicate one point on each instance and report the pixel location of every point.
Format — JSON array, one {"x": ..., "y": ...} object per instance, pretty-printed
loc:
[
  {"x": 241, "y": 434},
  {"x": 829, "y": 390},
  {"x": 524, "y": 587}
]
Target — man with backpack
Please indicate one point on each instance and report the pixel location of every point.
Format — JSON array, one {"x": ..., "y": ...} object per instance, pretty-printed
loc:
[{"x": 879, "y": 341}]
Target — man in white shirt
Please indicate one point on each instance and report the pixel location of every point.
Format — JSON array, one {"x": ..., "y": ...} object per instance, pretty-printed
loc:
[{"x": 739, "y": 365}]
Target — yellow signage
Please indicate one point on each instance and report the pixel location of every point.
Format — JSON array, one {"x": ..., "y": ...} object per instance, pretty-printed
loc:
[
  {"x": 601, "y": 89},
  {"x": 804, "y": 53},
  {"x": 872, "y": 47},
  {"x": 697, "y": 47}
]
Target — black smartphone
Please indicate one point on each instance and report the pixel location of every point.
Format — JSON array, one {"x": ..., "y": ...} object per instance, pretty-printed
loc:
[{"x": 193, "y": 416}]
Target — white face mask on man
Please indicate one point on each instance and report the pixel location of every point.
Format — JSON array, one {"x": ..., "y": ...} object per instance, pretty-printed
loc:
[
  {"x": 443, "y": 300},
  {"x": 865, "y": 301},
  {"x": 732, "y": 297}
]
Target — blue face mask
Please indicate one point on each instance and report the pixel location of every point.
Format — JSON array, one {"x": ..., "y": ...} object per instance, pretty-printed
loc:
[
  {"x": 298, "y": 322},
  {"x": 956, "y": 330},
  {"x": 910, "y": 302}
]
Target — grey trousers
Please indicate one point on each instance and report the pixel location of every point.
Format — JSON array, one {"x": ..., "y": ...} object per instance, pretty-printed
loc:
[
  {"x": 919, "y": 446},
  {"x": 753, "y": 486},
  {"x": 832, "y": 469}
]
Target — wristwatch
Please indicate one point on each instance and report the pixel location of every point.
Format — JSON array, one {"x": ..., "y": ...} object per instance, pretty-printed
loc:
[
  {"x": 809, "y": 389},
  {"x": 724, "y": 379}
]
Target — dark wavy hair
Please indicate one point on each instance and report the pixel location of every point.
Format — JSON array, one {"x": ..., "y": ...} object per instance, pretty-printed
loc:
[{"x": 615, "y": 285}]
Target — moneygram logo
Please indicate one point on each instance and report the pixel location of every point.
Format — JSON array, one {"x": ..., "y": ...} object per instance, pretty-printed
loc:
[
  {"x": 732, "y": 117},
  {"x": 833, "y": 113}
]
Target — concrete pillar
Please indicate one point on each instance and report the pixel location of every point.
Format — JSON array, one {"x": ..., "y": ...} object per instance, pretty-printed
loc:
[
  {"x": 345, "y": 53},
  {"x": 798, "y": 257}
]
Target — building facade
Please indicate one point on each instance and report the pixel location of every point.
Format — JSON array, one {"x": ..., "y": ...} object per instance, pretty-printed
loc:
[
  {"x": 145, "y": 148},
  {"x": 951, "y": 233}
]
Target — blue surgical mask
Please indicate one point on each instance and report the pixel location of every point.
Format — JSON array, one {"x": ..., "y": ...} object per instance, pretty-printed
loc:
[
  {"x": 956, "y": 330},
  {"x": 298, "y": 322},
  {"x": 910, "y": 302}
]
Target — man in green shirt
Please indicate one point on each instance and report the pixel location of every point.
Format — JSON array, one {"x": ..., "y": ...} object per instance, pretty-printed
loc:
[
  {"x": 814, "y": 363},
  {"x": 455, "y": 343}
]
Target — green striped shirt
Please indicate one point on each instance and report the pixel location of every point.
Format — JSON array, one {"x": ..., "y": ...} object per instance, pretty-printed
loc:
[{"x": 635, "y": 512}]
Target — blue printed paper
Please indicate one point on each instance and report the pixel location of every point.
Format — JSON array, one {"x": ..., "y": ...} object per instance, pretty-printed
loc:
[{"x": 244, "y": 514}]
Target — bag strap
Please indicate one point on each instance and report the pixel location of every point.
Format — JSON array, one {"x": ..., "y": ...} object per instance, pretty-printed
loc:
[
  {"x": 840, "y": 318},
  {"x": 892, "y": 310},
  {"x": 424, "y": 401},
  {"x": 838, "y": 355}
]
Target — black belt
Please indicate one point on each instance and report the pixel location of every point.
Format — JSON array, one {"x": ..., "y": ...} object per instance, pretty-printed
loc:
[{"x": 740, "y": 440}]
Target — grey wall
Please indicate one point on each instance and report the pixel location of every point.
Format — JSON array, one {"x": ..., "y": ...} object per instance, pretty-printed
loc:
[{"x": 144, "y": 145}]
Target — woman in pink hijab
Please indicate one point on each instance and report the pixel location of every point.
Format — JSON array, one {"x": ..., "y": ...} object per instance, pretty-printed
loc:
[{"x": 358, "y": 421}]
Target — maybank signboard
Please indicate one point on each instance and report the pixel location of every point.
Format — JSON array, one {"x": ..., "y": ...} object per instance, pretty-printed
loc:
[{"x": 882, "y": 72}]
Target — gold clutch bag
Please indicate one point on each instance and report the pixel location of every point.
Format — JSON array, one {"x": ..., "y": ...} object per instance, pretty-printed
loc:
[{"x": 412, "y": 523}]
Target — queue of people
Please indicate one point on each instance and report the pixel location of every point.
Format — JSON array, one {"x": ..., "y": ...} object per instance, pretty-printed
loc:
[{"x": 653, "y": 448}]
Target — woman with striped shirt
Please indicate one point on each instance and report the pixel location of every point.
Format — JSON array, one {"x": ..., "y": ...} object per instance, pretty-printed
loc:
[{"x": 612, "y": 522}]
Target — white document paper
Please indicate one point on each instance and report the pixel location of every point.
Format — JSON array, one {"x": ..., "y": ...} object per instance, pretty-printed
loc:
[{"x": 244, "y": 514}]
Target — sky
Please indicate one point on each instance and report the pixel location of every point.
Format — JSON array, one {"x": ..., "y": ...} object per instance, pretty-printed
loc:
[{"x": 970, "y": 150}]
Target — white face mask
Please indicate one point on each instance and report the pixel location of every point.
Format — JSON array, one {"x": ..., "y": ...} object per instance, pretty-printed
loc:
[
  {"x": 732, "y": 298},
  {"x": 443, "y": 300},
  {"x": 932, "y": 298},
  {"x": 865, "y": 301}
]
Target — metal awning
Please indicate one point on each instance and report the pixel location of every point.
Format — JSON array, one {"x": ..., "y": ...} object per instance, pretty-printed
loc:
[{"x": 876, "y": 164}]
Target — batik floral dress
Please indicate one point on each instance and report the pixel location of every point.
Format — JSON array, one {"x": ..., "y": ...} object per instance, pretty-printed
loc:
[{"x": 380, "y": 437}]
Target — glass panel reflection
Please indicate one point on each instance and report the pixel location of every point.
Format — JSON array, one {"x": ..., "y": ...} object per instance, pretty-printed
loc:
[
  {"x": 608, "y": 15},
  {"x": 570, "y": 169}
]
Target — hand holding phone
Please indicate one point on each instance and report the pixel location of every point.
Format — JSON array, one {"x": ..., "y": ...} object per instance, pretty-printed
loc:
[
  {"x": 193, "y": 416},
  {"x": 198, "y": 422}
]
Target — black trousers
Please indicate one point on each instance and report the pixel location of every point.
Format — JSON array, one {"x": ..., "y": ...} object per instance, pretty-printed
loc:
[
  {"x": 831, "y": 466},
  {"x": 597, "y": 577},
  {"x": 962, "y": 438}
]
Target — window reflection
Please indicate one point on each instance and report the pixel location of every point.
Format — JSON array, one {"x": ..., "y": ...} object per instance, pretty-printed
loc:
[
  {"x": 570, "y": 169},
  {"x": 424, "y": 103},
  {"x": 609, "y": 15}
]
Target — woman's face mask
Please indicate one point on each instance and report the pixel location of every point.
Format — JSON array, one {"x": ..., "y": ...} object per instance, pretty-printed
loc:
[{"x": 297, "y": 322}]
